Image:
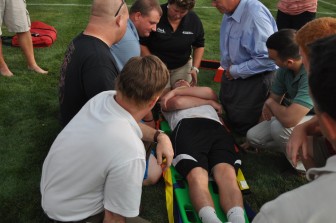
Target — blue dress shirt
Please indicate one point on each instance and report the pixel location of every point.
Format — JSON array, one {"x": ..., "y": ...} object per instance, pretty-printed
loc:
[
  {"x": 243, "y": 36},
  {"x": 127, "y": 47}
]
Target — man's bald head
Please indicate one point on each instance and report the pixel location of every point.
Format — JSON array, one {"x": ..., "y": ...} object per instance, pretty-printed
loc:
[
  {"x": 106, "y": 8},
  {"x": 108, "y": 20}
]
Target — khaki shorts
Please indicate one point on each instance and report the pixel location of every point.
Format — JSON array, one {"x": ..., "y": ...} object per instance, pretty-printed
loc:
[
  {"x": 14, "y": 14},
  {"x": 180, "y": 73}
]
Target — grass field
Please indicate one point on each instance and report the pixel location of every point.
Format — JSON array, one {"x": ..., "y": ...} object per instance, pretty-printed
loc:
[{"x": 29, "y": 117}]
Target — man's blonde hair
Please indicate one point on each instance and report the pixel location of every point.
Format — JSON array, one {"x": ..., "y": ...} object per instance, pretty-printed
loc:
[
  {"x": 314, "y": 30},
  {"x": 142, "y": 79}
]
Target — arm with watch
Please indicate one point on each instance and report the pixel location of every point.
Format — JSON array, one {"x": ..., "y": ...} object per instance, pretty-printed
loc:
[
  {"x": 164, "y": 147},
  {"x": 197, "y": 57}
]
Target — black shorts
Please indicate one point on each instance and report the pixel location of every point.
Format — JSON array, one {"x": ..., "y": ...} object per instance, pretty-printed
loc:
[{"x": 201, "y": 142}]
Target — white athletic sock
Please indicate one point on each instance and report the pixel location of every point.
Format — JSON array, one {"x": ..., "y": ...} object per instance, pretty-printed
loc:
[
  {"x": 207, "y": 214},
  {"x": 236, "y": 215}
]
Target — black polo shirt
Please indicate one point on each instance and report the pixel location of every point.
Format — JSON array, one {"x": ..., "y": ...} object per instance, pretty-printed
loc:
[{"x": 174, "y": 48}]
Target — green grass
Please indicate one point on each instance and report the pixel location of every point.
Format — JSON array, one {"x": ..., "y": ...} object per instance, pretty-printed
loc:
[{"x": 29, "y": 118}]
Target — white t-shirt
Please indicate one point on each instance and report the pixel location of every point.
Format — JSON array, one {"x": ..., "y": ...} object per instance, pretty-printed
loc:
[
  {"x": 96, "y": 162},
  {"x": 314, "y": 202},
  {"x": 203, "y": 111}
]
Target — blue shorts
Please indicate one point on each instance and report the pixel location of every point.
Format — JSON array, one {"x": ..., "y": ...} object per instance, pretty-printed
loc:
[{"x": 147, "y": 163}]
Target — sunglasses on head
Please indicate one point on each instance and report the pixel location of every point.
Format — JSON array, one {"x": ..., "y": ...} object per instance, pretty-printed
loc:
[{"x": 122, "y": 3}]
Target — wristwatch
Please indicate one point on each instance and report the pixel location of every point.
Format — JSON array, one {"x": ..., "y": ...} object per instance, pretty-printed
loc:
[
  {"x": 158, "y": 132},
  {"x": 196, "y": 69}
]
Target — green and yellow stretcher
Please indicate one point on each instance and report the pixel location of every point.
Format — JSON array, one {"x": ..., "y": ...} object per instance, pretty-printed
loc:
[{"x": 178, "y": 203}]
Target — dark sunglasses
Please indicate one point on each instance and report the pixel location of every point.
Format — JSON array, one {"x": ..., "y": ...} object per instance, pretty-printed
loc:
[{"x": 122, "y": 3}]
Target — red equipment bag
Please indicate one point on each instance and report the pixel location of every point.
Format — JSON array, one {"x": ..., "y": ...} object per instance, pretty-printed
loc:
[{"x": 43, "y": 35}]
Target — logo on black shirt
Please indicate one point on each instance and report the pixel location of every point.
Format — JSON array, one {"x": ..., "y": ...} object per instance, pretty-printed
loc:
[
  {"x": 187, "y": 33},
  {"x": 159, "y": 30}
]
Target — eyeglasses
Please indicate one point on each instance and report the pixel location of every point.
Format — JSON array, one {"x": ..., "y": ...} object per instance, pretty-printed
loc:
[{"x": 122, "y": 3}]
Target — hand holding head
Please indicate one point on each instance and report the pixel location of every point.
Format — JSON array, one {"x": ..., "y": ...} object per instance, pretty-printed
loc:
[{"x": 181, "y": 83}]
